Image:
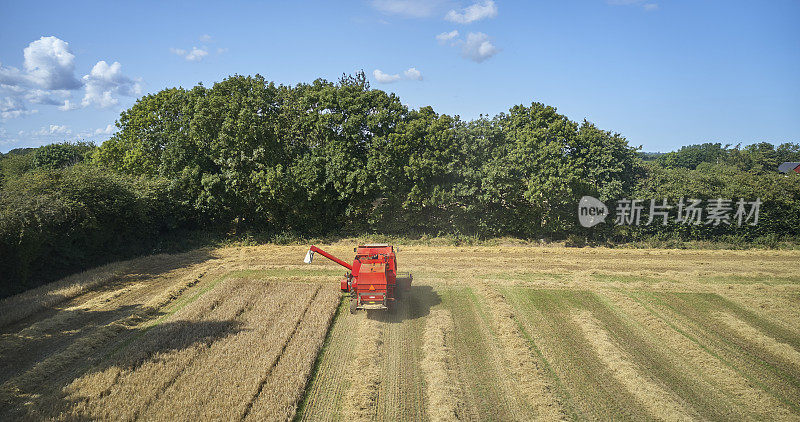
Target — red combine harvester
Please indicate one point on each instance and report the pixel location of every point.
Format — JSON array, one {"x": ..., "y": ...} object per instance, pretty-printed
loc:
[{"x": 373, "y": 281}]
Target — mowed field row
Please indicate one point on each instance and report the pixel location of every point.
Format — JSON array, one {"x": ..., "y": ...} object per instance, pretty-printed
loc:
[{"x": 498, "y": 333}]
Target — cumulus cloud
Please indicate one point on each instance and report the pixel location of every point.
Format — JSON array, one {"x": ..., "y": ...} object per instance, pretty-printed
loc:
[
  {"x": 205, "y": 38},
  {"x": 196, "y": 54},
  {"x": 444, "y": 37},
  {"x": 413, "y": 73},
  {"x": 384, "y": 78},
  {"x": 105, "y": 83},
  {"x": 48, "y": 78},
  {"x": 49, "y": 64},
  {"x": 408, "y": 8},
  {"x": 477, "y": 47},
  {"x": 476, "y": 12}
]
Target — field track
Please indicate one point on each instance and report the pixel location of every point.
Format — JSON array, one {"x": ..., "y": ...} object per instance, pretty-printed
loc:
[{"x": 497, "y": 333}]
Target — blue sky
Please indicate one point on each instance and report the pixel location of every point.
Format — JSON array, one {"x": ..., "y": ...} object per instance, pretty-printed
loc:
[{"x": 663, "y": 73}]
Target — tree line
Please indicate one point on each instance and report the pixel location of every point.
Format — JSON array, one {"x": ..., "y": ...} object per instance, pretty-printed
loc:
[{"x": 322, "y": 158}]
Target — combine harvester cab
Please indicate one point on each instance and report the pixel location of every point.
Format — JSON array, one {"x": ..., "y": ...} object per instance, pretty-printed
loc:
[{"x": 373, "y": 281}]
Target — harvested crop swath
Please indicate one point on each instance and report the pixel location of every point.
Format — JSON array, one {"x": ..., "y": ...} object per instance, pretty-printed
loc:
[
  {"x": 401, "y": 392},
  {"x": 586, "y": 383},
  {"x": 695, "y": 313},
  {"x": 720, "y": 392},
  {"x": 527, "y": 371},
  {"x": 442, "y": 391},
  {"x": 658, "y": 401},
  {"x": 95, "y": 334},
  {"x": 326, "y": 391},
  {"x": 752, "y": 334},
  {"x": 228, "y": 390},
  {"x": 487, "y": 394},
  {"x": 370, "y": 367},
  {"x": 284, "y": 385},
  {"x": 136, "y": 376},
  {"x": 362, "y": 397}
]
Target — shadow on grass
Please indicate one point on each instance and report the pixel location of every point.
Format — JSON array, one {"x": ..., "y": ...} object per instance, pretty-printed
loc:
[
  {"x": 413, "y": 304},
  {"x": 57, "y": 341},
  {"x": 42, "y": 303},
  {"x": 37, "y": 391}
]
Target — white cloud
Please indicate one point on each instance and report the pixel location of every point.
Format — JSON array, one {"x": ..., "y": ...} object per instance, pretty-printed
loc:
[
  {"x": 222, "y": 50},
  {"x": 196, "y": 54},
  {"x": 408, "y": 8},
  {"x": 384, "y": 78},
  {"x": 478, "y": 47},
  {"x": 473, "y": 13},
  {"x": 49, "y": 77},
  {"x": 49, "y": 64},
  {"x": 106, "y": 131},
  {"x": 12, "y": 77},
  {"x": 104, "y": 83},
  {"x": 413, "y": 73},
  {"x": 205, "y": 38},
  {"x": 444, "y": 37},
  {"x": 48, "y": 131},
  {"x": 650, "y": 6},
  {"x": 12, "y": 107},
  {"x": 68, "y": 105},
  {"x": 38, "y": 96}
]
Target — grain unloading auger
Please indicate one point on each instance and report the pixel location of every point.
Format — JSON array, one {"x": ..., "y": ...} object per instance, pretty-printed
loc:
[{"x": 372, "y": 280}]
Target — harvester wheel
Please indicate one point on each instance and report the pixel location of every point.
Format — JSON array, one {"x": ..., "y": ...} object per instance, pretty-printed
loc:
[{"x": 353, "y": 305}]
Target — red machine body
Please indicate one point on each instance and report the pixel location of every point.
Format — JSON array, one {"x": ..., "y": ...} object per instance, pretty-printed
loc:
[{"x": 373, "y": 281}]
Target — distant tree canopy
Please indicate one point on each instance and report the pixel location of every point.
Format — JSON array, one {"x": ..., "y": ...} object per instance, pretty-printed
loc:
[
  {"x": 326, "y": 156},
  {"x": 339, "y": 157},
  {"x": 761, "y": 157}
]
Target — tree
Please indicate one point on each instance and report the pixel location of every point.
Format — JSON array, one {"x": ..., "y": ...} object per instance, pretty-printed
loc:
[
  {"x": 691, "y": 156},
  {"x": 54, "y": 156}
]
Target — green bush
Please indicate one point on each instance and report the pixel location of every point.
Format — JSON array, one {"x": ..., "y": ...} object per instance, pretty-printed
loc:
[
  {"x": 55, "y": 222},
  {"x": 65, "y": 154}
]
